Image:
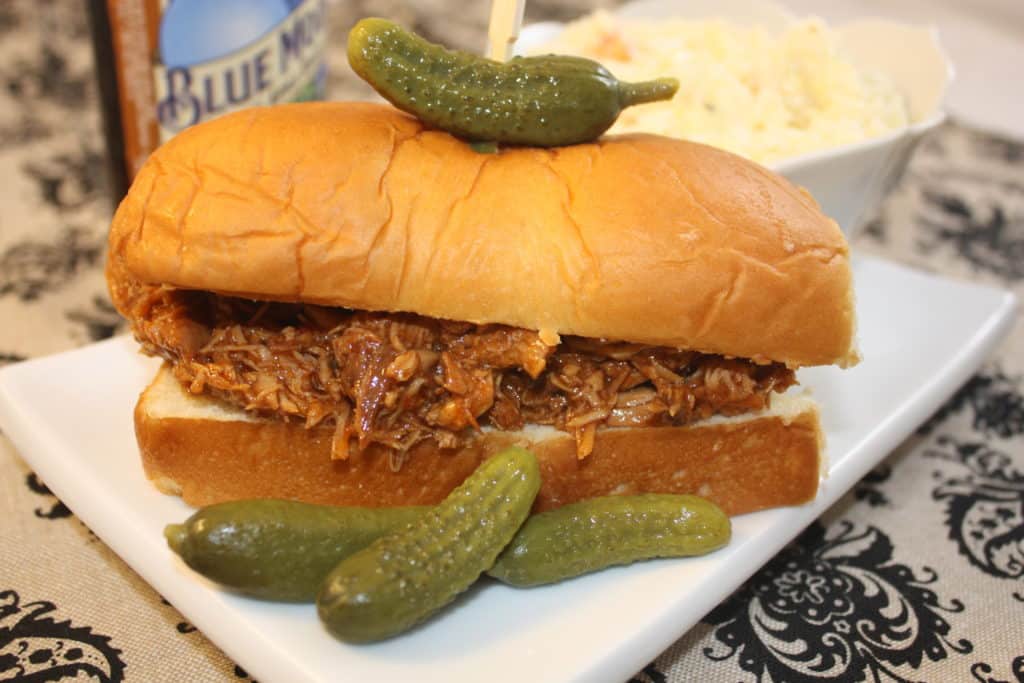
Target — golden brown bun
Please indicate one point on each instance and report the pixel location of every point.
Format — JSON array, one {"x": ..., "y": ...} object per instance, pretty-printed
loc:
[
  {"x": 638, "y": 238},
  {"x": 207, "y": 452}
]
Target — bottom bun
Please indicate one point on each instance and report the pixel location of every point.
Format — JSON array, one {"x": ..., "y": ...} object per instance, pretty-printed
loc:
[{"x": 209, "y": 452}]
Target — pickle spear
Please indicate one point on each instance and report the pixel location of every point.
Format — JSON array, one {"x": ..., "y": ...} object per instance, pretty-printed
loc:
[
  {"x": 543, "y": 101},
  {"x": 283, "y": 550},
  {"x": 603, "y": 532},
  {"x": 278, "y": 549},
  {"x": 404, "y": 577}
]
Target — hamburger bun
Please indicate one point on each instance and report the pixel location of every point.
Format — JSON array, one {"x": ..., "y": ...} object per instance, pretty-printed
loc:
[{"x": 636, "y": 238}]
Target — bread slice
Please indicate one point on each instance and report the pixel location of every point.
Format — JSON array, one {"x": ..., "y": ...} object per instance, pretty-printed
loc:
[{"x": 209, "y": 452}]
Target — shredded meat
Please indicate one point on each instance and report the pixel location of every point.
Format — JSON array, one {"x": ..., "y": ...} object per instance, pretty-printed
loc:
[{"x": 398, "y": 379}]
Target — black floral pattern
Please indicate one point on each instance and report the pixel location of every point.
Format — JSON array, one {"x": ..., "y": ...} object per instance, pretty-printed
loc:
[
  {"x": 46, "y": 77},
  {"x": 31, "y": 268},
  {"x": 8, "y": 357},
  {"x": 68, "y": 180},
  {"x": 999, "y": 148},
  {"x": 649, "y": 674},
  {"x": 100, "y": 321},
  {"x": 981, "y": 232},
  {"x": 985, "y": 506},
  {"x": 9, "y": 19},
  {"x": 241, "y": 673},
  {"x": 182, "y": 627},
  {"x": 835, "y": 607},
  {"x": 995, "y": 401},
  {"x": 57, "y": 509},
  {"x": 876, "y": 230},
  {"x": 35, "y": 648},
  {"x": 981, "y": 671},
  {"x": 868, "y": 490},
  {"x": 27, "y": 129}
]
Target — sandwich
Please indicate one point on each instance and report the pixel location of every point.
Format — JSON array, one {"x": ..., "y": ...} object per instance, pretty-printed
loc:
[{"x": 355, "y": 309}]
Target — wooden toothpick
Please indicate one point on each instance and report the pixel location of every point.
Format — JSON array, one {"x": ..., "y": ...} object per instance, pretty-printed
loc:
[{"x": 506, "y": 19}]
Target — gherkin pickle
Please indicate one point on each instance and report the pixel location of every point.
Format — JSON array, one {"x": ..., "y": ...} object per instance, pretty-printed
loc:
[
  {"x": 404, "y": 577},
  {"x": 283, "y": 550},
  {"x": 603, "y": 532},
  {"x": 542, "y": 101},
  {"x": 278, "y": 549}
]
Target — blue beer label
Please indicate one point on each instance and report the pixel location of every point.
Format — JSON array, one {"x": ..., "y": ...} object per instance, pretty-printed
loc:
[{"x": 218, "y": 56}]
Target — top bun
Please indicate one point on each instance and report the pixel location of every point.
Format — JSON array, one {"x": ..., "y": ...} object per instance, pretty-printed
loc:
[{"x": 639, "y": 238}]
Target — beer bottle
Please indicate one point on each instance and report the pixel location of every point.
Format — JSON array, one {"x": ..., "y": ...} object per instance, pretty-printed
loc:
[{"x": 164, "y": 65}]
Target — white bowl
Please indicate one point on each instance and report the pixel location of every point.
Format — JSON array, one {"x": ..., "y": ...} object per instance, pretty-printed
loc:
[{"x": 849, "y": 181}]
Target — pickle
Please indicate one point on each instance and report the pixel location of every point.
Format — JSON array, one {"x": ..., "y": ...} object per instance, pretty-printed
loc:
[
  {"x": 614, "y": 530},
  {"x": 278, "y": 549},
  {"x": 404, "y": 577},
  {"x": 543, "y": 101}
]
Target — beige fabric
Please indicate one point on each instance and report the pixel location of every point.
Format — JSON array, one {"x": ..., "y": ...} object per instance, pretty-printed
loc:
[
  {"x": 62, "y": 562},
  {"x": 959, "y": 211}
]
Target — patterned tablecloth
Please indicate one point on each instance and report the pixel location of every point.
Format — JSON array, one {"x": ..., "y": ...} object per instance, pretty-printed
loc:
[{"x": 916, "y": 574}]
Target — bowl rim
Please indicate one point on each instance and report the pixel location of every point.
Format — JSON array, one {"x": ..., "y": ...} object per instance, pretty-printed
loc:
[
  {"x": 808, "y": 159},
  {"x": 537, "y": 32}
]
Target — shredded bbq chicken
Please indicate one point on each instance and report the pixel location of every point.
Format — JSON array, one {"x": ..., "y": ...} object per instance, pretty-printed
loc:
[{"x": 399, "y": 379}]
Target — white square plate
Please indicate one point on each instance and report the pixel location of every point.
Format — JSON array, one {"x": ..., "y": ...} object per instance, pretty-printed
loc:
[{"x": 70, "y": 416}]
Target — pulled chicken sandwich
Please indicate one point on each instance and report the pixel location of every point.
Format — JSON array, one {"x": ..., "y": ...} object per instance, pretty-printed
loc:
[{"x": 354, "y": 309}]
